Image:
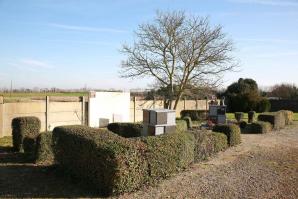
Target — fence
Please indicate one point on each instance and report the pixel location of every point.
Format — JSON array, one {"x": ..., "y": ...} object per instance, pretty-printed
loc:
[{"x": 55, "y": 111}]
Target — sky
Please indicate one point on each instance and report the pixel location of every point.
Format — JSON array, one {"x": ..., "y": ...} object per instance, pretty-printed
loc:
[{"x": 76, "y": 43}]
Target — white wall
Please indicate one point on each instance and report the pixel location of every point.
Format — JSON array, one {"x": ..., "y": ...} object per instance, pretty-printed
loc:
[{"x": 114, "y": 106}]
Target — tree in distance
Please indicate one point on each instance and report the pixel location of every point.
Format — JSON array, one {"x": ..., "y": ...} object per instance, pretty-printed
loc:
[{"x": 179, "y": 50}]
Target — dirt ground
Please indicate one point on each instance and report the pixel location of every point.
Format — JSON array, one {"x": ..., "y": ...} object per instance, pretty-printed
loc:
[{"x": 262, "y": 166}]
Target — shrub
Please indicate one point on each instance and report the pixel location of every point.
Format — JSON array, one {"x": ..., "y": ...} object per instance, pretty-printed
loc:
[
  {"x": 188, "y": 121},
  {"x": 44, "y": 150},
  {"x": 288, "y": 115},
  {"x": 24, "y": 127},
  {"x": 221, "y": 141},
  {"x": 29, "y": 144},
  {"x": 251, "y": 116},
  {"x": 242, "y": 124},
  {"x": 167, "y": 154},
  {"x": 108, "y": 162},
  {"x": 260, "y": 127},
  {"x": 263, "y": 105},
  {"x": 232, "y": 132},
  {"x": 126, "y": 130},
  {"x": 181, "y": 125},
  {"x": 239, "y": 116},
  {"x": 195, "y": 115},
  {"x": 277, "y": 119},
  {"x": 208, "y": 143}
]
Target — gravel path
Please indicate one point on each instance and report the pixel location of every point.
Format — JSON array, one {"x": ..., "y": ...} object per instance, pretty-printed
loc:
[{"x": 263, "y": 166}]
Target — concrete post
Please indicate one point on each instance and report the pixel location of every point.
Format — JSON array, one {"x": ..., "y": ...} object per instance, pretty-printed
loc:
[
  {"x": 47, "y": 112},
  {"x": 154, "y": 102},
  {"x": 83, "y": 110},
  {"x": 134, "y": 109},
  {"x": 184, "y": 104},
  {"x": 197, "y": 104}
]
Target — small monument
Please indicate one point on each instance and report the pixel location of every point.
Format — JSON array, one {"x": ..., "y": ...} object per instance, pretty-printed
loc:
[
  {"x": 217, "y": 113},
  {"x": 158, "y": 121}
]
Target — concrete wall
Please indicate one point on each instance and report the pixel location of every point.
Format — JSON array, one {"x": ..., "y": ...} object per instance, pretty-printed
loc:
[{"x": 51, "y": 114}]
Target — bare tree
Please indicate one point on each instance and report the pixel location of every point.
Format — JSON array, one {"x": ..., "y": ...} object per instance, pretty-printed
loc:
[{"x": 179, "y": 50}]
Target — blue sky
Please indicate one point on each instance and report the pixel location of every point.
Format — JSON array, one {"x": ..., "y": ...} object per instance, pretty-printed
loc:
[{"x": 73, "y": 43}]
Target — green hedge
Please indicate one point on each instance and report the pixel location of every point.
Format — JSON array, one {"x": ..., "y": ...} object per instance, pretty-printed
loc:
[
  {"x": 167, "y": 154},
  {"x": 126, "y": 130},
  {"x": 251, "y": 116},
  {"x": 208, "y": 143},
  {"x": 242, "y": 124},
  {"x": 277, "y": 119},
  {"x": 24, "y": 127},
  {"x": 181, "y": 125},
  {"x": 188, "y": 121},
  {"x": 232, "y": 132},
  {"x": 113, "y": 164},
  {"x": 260, "y": 127},
  {"x": 195, "y": 115},
  {"x": 239, "y": 116},
  {"x": 44, "y": 150}
]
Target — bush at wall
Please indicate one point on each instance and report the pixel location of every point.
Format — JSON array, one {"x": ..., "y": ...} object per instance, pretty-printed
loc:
[
  {"x": 288, "y": 115},
  {"x": 260, "y": 127},
  {"x": 126, "y": 129},
  {"x": 195, "y": 115},
  {"x": 44, "y": 150},
  {"x": 277, "y": 119},
  {"x": 232, "y": 132},
  {"x": 24, "y": 127},
  {"x": 264, "y": 105}
]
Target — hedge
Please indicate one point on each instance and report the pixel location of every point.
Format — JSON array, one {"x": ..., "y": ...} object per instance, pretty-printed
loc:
[
  {"x": 251, "y": 116},
  {"x": 194, "y": 114},
  {"x": 24, "y": 127},
  {"x": 208, "y": 143},
  {"x": 44, "y": 150},
  {"x": 289, "y": 116},
  {"x": 110, "y": 163},
  {"x": 113, "y": 164},
  {"x": 167, "y": 154},
  {"x": 232, "y": 132},
  {"x": 181, "y": 125},
  {"x": 260, "y": 127},
  {"x": 242, "y": 124},
  {"x": 239, "y": 116},
  {"x": 188, "y": 121},
  {"x": 277, "y": 119},
  {"x": 126, "y": 130}
]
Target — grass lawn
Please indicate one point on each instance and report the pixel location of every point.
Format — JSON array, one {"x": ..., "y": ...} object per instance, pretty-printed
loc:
[{"x": 6, "y": 141}]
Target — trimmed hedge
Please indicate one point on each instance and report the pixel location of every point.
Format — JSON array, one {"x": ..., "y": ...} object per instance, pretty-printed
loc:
[
  {"x": 188, "y": 121},
  {"x": 289, "y": 116},
  {"x": 208, "y": 143},
  {"x": 181, "y": 125},
  {"x": 126, "y": 130},
  {"x": 277, "y": 119},
  {"x": 44, "y": 153},
  {"x": 243, "y": 124},
  {"x": 260, "y": 127},
  {"x": 167, "y": 154},
  {"x": 24, "y": 127},
  {"x": 251, "y": 116},
  {"x": 29, "y": 145},
  {"x": 239, "y": 116},
  {"x": 110, "y": 163},
  {"x": 232, "y": 132},
  {"x": 113, "y": 164},
  {"x": 194, "y": 114}
]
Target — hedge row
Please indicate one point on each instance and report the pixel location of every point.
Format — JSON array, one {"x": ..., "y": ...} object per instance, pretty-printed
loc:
[
  {"x": 181, "y": 125},
  {"x": 25, "y": 129},
  {"x": 260, "y": 127},
  {"x": 114, "y": 164},
  {"x": 232, "y": 132},
  {"x": 194, "y": 114},
  {"x": 277, "y": 119},
  {"x": 44, "y": 149},
  {"x": 208, "y": 143},
  {"x": 126, "y": 130}
]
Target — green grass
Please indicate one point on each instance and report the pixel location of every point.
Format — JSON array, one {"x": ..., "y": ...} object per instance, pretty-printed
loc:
[{"x": 6, "y": 141}]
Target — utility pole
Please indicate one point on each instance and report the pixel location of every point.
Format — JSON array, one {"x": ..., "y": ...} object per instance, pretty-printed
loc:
[{"x": 10, "y": 87}]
